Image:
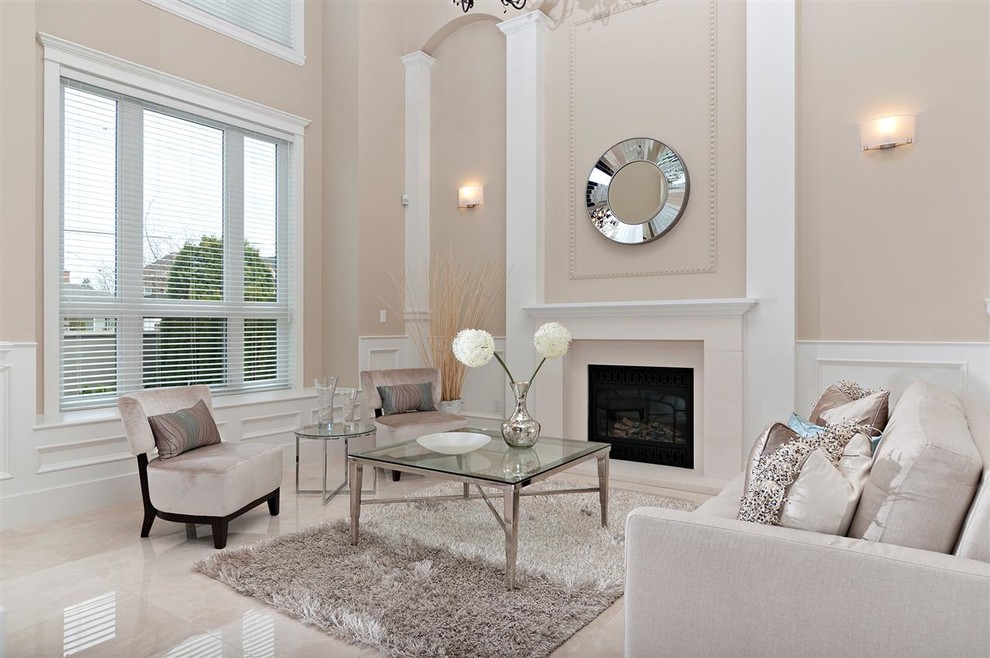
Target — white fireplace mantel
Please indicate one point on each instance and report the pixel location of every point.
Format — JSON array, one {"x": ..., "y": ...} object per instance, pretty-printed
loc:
[
  {"x": 642, "y": 309},
  {"x": 706, "y": 334}
]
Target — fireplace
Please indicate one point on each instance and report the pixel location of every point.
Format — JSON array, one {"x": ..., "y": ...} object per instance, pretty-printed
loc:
[{"x": 646, "y": 413}]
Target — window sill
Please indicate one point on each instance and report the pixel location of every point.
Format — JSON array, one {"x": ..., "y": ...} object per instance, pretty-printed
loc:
[{"x": 110, "y": 414}]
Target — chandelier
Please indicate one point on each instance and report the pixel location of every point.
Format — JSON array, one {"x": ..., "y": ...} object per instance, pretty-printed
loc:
[{"x": 467, "y": 5}]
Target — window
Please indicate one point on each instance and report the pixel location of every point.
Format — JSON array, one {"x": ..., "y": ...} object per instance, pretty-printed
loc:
[
  {"x": 173, "y": 242},
  {"x": 275, "y": 26}
]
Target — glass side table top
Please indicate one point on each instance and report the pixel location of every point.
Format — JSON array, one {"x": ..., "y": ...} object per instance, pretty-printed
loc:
[
  {"x": 337, "y": 430},
  {"x": 494, "y": 461}
]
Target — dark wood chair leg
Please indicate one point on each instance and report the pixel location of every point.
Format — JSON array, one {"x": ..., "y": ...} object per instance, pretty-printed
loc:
[
  {"x": 273, "y": 503},
  {"x": 220, "y": 532},
  {"x": 396, "y": 475},
  {"x": 149, "y": 518}
]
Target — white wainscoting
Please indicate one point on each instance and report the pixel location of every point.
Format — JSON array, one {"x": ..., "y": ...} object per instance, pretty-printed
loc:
[
  {"x": 484, "y": 391},
  {"x": 964, "y": 367},
  {"x": 59, "y": 465}
]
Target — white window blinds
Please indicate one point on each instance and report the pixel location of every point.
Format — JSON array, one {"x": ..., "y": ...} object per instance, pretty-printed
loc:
[
  {"x": 173, "y": 251},
  {"x": 271, "y": 19}
]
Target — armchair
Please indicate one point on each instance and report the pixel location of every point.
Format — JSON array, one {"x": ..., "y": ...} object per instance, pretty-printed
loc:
[
  {"x": 399, "y": 427},
  {"x": 211, "y": 484}
]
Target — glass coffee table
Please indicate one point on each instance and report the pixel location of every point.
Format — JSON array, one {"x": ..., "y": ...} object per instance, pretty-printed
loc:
[
  {"x": 332, "y": 432},
  {"x": 493, "y": 465}
]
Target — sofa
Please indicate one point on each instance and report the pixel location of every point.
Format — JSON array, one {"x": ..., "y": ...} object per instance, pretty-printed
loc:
[{"x": 912, "y": 580}]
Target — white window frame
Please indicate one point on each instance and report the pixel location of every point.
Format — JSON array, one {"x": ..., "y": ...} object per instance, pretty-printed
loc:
[
  {"x": 64, "y": 59},
  {"x": 296, "y": 54}
]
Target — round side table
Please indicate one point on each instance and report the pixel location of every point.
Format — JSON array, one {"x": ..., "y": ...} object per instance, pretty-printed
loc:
[{"x": 333, "y": 432}]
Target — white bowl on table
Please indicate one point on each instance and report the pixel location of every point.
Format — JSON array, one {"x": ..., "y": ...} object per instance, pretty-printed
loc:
[{"x": 453, "y": 443}]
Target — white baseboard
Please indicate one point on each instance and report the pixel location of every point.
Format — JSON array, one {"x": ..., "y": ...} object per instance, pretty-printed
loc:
[{"x": 46, "y": 505}]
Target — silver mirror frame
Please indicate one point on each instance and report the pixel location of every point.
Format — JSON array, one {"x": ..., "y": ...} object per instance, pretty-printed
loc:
[{"x": 639, "y": 149}]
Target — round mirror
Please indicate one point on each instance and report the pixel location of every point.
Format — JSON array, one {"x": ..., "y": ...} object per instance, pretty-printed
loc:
[{"x": 637, "y": 191}]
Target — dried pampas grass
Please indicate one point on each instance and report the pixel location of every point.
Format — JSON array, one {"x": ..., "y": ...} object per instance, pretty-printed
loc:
[{"x": 460, "y": 297}]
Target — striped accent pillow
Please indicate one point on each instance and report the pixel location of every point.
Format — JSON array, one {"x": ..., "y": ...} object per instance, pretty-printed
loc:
[
  {"x": 184, "y": 430},
  {"x": 400, "y": 398}
]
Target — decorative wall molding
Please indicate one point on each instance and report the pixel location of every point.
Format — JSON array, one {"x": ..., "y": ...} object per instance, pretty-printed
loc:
[
  {"x": 711, "y": 264},
  {"x": 81, "y": 454},
  {"x": 963, "y": 367},
  {"x": 6, "y": 413},
  {"x": 268, "y": 425}
]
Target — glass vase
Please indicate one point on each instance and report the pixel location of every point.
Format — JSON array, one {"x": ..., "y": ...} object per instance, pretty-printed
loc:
[
  {"x": 520, "y": 430},
  {"x": 326, "y": 387}
]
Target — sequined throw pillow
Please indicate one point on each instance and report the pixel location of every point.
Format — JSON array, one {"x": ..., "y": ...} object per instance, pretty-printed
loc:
[
  {"x": 184, "y": 430},
  {"x": 400, "y": 398},
  {"x": 812, "y": 482}
]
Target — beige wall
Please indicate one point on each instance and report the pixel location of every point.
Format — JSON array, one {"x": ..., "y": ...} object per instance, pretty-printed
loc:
[
  {"x": 893, "y": 245},
  {"x": 467, "y": 147},
  {"x": 644, "y": 71},
  {"x": 141, "y": 33}
]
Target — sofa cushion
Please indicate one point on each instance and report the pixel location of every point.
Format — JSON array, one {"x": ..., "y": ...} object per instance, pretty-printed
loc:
[
  {"x": 726, "y": 504},
  {"x": 974, "y": 540},
  {"x": 216, "y": 480},
  {"x": 402, "y": 398},
  {"x": 924, "y": 476},
  {"x": 184, "y": 430}
]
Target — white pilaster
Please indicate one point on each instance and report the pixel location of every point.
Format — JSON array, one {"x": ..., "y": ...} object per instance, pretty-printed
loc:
[
  {"x": 770, "y": 214},
  {"x": 525, "y": 148},
  {"x": 417, "y": 230}
]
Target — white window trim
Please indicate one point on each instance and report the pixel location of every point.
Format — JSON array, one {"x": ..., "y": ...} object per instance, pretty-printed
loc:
[
  {"x": 296, "y": 54},
  {"x": 64, "y": 59}
]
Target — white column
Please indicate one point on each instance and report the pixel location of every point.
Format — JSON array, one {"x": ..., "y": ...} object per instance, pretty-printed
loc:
[
  {"x": 417, "y": 230},
  {"x": 525, "y": 182},
  {"x": 770, "y": 215}
]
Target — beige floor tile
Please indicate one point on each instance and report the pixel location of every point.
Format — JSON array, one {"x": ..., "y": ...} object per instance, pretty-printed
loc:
[
  {"x": 20, "y": 555},
  {"x": 112, "y": 623},
  {"x": 266, "y": 633}
]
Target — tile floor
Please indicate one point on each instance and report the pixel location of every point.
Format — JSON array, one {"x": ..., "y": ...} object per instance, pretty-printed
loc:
[{"x": 88, "y": 585}]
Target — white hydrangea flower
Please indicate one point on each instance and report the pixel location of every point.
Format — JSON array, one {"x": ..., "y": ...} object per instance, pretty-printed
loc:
[
  {"x": 473, "y": 347},
  {"x": 552, "y": 340}
]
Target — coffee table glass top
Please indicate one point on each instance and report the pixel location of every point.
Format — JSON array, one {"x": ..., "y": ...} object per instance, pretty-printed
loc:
[
  {"x": 337, "y": 430},
  {"x": 495, "y": 461}
]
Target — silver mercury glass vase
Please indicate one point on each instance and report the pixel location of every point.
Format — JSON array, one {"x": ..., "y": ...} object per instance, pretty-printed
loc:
[{"x": 520, "y": 430}]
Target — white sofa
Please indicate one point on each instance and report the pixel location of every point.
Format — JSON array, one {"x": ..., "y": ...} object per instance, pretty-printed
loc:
[{"x": 704, "y": 584}]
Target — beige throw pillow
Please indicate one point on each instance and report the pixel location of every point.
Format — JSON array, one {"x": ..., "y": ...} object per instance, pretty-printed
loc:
[
  {"x": 850, "y": 401},
  {"x": 824, "y": 496}
]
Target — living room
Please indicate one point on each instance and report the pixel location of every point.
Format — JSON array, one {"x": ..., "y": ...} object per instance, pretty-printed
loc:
[{"x": 797, "y": 258}]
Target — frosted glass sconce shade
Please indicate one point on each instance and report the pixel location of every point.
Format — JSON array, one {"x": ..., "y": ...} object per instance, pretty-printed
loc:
[
  {"x": 887, "y": 132},
  {"x": 471, "y": 196}
]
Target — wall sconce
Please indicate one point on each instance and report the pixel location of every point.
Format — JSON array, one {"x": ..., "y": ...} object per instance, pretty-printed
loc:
[
  {"x": 471, "y": 196},
  {"x": 887, "y": 132}
]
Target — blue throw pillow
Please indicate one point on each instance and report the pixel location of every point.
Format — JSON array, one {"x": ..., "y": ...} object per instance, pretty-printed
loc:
[
  {"x": 803, "y": 427},
  {"x": 808, "y": 429}
]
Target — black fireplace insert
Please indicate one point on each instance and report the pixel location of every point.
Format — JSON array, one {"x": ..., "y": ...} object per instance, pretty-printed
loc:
[{"x": 646, "y": 413}]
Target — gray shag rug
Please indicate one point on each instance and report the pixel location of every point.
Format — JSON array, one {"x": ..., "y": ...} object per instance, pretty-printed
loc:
[{"x": 428, "y": 579}]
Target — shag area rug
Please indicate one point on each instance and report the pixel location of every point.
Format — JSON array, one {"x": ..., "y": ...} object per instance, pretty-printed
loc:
[{"x": 428, "y": 579}]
